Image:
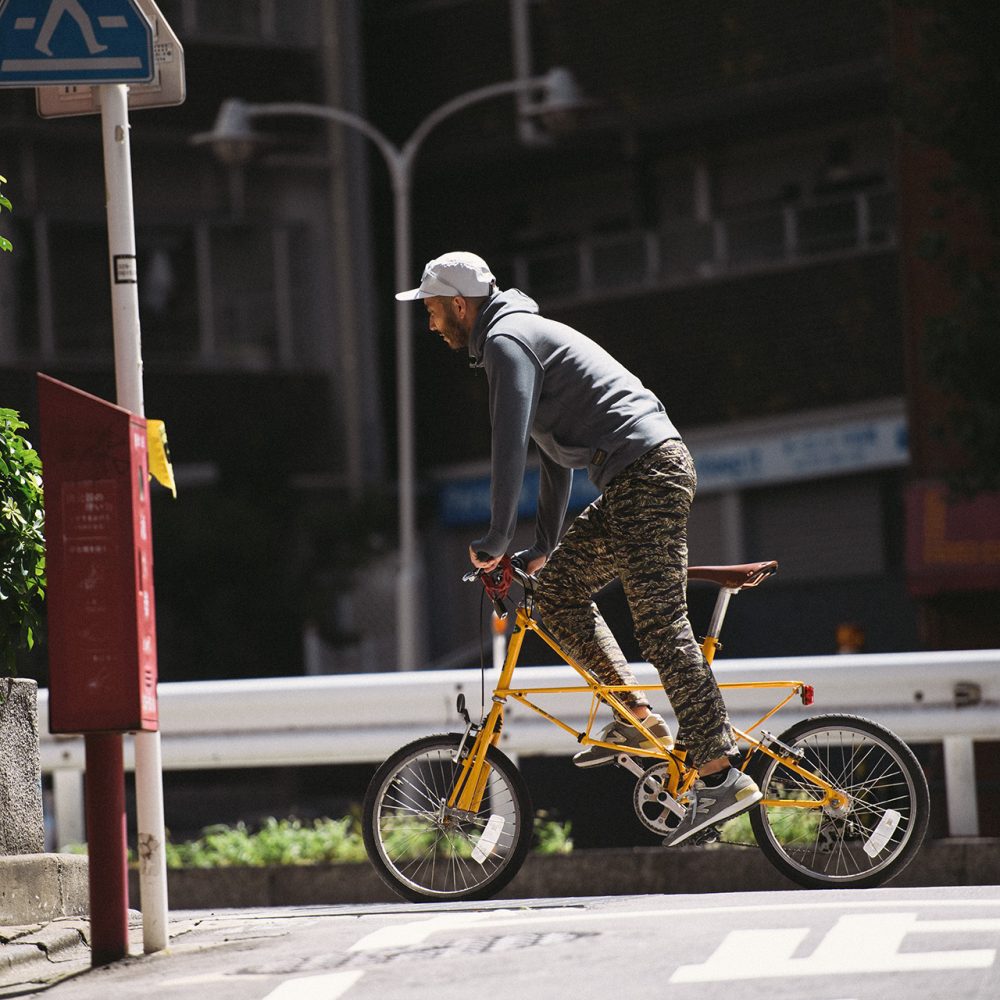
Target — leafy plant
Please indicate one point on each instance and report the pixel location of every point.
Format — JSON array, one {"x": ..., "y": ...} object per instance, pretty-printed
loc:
[
  {"x": 551, "y": 836},
  {"x": 277, "y": 842},
  {"x": 738, "y": 831},
  {"x": 789, "y": 826},
  {"x": 294, "y": 842},
  {"x": 22, "y": 539},
  {"x": 416, "y": 837},
  {"x": 5, "y": 244}
]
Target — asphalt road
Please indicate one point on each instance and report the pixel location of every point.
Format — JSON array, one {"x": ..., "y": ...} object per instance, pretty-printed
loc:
[{"x": 917, "y": 944}]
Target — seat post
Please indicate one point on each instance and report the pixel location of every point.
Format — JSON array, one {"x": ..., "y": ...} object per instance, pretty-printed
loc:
[{"x": 711, "y": 641}]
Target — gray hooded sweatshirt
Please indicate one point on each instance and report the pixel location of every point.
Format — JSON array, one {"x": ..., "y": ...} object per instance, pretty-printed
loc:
[{"x": 556, "y": 387}]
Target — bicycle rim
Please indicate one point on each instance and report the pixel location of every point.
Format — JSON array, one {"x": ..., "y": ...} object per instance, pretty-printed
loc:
[
  {"x": 424, "y": 850},
  {"x": 864, "y": 843}
]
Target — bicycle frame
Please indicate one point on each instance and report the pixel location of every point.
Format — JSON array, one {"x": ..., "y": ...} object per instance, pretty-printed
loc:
[{"x": 470, "y": 784}]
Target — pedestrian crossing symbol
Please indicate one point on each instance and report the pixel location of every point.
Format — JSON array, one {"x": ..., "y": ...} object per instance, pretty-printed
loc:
[{"x": 74, "y": 41}]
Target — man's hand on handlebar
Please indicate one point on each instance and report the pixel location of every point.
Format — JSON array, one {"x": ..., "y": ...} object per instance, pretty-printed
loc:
[
  {"x": 486, "y": 563},
  {"x": 483, "y": 560}
]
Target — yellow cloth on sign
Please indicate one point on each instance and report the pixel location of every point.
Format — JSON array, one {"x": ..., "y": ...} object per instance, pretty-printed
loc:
[{"x": 159, "y": 456}]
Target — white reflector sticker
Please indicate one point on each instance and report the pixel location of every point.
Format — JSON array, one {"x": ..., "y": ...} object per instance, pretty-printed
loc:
[
  {"x": 489, "y": 839},
  {"x": 881, "y": 834}
]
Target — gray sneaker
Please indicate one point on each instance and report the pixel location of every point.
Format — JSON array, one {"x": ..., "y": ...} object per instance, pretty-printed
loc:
[
  {"x": 626, "y": 736},
  {"x": 708, "y": 806}
]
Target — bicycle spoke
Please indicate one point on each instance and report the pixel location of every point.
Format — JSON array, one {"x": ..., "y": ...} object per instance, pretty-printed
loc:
[
  {"x": 428, "y": 849},
  {"x": 834, "y": 844}
]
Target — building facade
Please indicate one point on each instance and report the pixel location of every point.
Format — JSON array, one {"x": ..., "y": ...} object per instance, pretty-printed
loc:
[
  {"x": 723, "y": 217},
  {"x": 724, "y": 221}
]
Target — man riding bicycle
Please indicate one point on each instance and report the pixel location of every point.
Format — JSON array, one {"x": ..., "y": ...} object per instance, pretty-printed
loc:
[{"x": 551, "y": 384}]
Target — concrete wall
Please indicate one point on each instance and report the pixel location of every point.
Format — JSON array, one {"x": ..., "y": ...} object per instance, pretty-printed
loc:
[
  {"x": 621, "y": 871},
  {"x": 22, "y": 829}
]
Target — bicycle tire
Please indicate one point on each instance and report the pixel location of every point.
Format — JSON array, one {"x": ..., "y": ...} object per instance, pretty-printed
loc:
[
  {"x": 426, "y": 855},
  {"x": 888, "y": 799}
]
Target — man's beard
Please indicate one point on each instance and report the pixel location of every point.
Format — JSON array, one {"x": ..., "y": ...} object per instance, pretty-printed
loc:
[{"x": 453, "y": 334}]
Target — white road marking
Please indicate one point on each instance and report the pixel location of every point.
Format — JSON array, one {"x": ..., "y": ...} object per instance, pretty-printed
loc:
[
  {"x": 204, "y": 979},
  {"x": 411, "y": 933},
  {"x": 856, "y": 943},
  {"x": 327, "y": 987},
  {"x": 416, "y": 932}
]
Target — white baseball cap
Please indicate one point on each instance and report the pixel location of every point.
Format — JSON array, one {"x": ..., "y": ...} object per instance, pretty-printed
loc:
[{"x": 455, "y": 273}]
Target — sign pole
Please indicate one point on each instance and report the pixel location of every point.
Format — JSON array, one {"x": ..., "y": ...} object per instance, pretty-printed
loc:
[
  {"x": 128, "y": 383},
  {"x": 107, "y": 869}
]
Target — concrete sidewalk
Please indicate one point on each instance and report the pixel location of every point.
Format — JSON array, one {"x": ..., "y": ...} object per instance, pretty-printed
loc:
[{"x": 37, "y": 955}]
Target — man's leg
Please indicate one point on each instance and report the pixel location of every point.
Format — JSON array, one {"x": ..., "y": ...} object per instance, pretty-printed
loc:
[
  {"x": 576, "y": 570},
  {"x": 647, "y": 510}
]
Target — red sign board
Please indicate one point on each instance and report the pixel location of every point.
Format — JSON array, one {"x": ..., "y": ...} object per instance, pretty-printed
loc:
[
  {"x": 99, "y": 564},
  {"x": 952, "y": 545}
]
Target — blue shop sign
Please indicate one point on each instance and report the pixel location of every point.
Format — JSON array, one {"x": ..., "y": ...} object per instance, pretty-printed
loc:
[{"x": 467, "y": 501}]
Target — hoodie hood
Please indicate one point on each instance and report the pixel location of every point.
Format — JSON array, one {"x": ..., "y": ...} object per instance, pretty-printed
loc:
[{"x": 497, "y": 307}]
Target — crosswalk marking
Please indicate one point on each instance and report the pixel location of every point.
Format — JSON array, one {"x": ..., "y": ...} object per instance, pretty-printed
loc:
[
  {"x": 856, "y": 943},
  {"x": 327, "y": 987}
]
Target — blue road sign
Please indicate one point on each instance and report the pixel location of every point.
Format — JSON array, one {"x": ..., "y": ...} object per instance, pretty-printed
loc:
[{"x": 74, "y": 41}]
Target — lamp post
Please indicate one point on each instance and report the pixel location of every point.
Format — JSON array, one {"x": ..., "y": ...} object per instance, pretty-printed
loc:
[{"x": 233, "y": 140}]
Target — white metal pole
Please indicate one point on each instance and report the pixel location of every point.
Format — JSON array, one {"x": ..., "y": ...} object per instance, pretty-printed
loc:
[
  {"x": 121, "y": 246},
  {"x": 960, "y": 786},
  {"x": 128, "y": 383}
]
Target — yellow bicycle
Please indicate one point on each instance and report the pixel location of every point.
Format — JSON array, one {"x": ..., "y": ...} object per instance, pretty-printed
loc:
[{"x": 449, "y": 817}]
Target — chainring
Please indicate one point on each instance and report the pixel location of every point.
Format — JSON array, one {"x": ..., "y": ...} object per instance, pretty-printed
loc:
[{"x": 651, "y": 796}]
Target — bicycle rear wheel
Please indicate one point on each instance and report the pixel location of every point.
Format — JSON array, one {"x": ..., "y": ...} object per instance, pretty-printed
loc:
[
  {"x": 425, "y": 851},
  {"x": 868, "y": 841}
]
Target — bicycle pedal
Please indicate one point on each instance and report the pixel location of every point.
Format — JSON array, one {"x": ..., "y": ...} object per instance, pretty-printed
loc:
[{"x": 710, "y": 835}]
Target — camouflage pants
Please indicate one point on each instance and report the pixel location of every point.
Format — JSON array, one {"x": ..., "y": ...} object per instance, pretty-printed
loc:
[{"x": 637, "y": 531}]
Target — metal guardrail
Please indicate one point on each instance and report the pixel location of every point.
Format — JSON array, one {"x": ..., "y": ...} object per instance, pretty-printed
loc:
[{"x": 951, "y": 697}]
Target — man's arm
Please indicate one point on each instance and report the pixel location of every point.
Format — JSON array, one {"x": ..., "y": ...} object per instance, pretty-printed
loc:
[
  {"x": 554, "y": 485},
  {"x": 515, "y": 384}
]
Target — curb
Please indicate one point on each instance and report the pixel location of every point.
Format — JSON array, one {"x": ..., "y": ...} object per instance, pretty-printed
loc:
[
  {"x": 619, "y": 871},
  {"x": 38, "y": 888}
]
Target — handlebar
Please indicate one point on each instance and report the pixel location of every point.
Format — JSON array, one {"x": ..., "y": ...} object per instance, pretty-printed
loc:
[{"x": 497, "y": 581}]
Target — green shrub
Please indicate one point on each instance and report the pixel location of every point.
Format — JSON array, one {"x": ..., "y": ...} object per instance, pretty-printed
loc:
[
  {"x": 789, "y": 826},
  {"x": 294, "y": 842},
  {"x": 22, "y": 540},
  {"x": 551, "y": 836},
  {"x": 277, "y": 842}
]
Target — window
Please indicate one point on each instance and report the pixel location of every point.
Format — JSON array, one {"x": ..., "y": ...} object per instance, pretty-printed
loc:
[{"x": 292, "y": 21}]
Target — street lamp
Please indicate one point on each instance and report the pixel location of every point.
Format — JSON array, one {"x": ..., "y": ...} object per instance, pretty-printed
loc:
[{"x": 233, "y": 140}]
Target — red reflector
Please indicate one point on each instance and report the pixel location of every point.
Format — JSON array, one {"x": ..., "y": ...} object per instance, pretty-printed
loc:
[{"x": 807, "y": 694}]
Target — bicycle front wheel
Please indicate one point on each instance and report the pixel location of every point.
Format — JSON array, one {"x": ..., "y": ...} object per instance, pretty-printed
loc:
[
  {"x": 861, "y": 843},
  {"x": 426, "y": 851}
]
